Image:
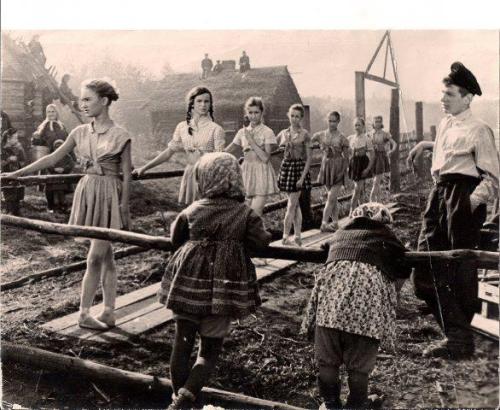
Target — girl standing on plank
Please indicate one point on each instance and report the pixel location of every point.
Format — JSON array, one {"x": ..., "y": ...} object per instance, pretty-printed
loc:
[
  {"x": 294, "y": 171},
  {"x": 380, "y": 139},
  {"x": 256, "y": 140},
  {"x": 101, "y": 197},
  {"x": 210, "y": 280},
  {"x": 334, "y": 163},
  {"x": 361, "y": 161},
  {"x": 196, "y": 136}
]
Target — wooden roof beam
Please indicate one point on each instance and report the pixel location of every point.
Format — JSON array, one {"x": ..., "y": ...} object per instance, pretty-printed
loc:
[{"x": 381, "y": 80}]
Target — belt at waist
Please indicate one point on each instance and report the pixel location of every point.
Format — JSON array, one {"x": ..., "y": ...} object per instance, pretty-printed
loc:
[
  {"x": 103, "y": 170},
  {"x": 453, "y": 178}
]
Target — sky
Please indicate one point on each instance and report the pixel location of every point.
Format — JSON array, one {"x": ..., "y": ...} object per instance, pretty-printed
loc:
[
  {"x": 322, "y": 62},
  {"x": 322, "y": 43}
]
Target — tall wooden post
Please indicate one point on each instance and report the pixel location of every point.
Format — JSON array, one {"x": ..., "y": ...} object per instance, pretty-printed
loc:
[
  {"x": 433, "y": 132},
  {"x": 360, "y": 94},
  {"x": 394, "y": 130},
  {"x": 419, "y": 131}
]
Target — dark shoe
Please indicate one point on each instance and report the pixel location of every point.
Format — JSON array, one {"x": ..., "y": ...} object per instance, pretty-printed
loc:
[
  {"x": 183, "y": 400},
  {"x": 446, "y": 351}
]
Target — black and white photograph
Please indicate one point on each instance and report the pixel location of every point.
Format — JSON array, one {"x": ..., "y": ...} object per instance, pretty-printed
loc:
[{"x": 249, "y": 206}]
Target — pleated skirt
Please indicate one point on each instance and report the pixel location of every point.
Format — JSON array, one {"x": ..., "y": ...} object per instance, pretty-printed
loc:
[
  {"x": 188, "y": 191},
  {"x": 259, "y": 178},
  {"x": 96, "y": 202},
  {"x": 381, "y": 163}
]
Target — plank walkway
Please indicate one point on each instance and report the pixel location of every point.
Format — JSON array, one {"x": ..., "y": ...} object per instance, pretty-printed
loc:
[{"x": 138, "y": 311}]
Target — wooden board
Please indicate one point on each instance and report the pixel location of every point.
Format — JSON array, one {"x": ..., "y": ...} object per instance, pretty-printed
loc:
[
  {"x": 488, "y": 292},
  {"x": 486, "y": 325},
  {"x": 139, "y": 311}
]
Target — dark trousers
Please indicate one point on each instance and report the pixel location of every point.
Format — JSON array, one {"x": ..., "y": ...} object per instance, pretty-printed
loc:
[
  {"x": 449, "y": 223},
  {"x": 359, "y": 353},
  {"x": 12, "y": 196}
]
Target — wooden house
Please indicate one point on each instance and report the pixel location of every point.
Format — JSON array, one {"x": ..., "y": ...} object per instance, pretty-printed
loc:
[{"x": 230, "y": 90}]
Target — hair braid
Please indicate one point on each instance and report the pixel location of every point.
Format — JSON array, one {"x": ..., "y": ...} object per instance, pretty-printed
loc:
[{"x": 188, "y": 117}]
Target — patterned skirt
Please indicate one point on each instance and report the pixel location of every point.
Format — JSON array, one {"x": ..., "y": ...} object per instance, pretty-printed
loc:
[
  {"x": 290, "y": 172},
  {"x": 259, "y": 178},
  {"x": 97, "y": 202},
  {"x": 188, "y": 191},
  {"x": 357, "y": 165},
  {"x": 381, "y": 163},
  {"x": 210, "y": 278},
  {"x": 332, "y": 171}
]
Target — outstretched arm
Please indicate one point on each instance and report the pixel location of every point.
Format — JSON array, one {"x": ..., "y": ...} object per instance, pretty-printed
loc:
[{"x": 159, "y": 159}]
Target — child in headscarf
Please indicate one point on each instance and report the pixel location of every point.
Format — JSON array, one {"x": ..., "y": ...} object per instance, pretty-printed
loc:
[
  {"x": 353, "y": 303},
  {"x": 213, "y": 280}
]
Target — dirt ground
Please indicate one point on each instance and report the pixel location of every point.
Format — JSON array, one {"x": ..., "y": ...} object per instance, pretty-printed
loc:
[{"x": 263, "y": 357}]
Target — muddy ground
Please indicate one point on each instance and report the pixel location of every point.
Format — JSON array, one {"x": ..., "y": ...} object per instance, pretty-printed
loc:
[{"x": 263, "y": 357}]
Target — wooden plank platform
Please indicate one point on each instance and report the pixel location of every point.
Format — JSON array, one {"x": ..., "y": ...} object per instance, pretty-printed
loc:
[{"x": 139, "y": 311}]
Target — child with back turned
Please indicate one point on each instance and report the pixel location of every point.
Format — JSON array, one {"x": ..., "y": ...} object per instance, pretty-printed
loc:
[
  {"x": 353, "y": 302},
  {"x": 213, "y": 280}
]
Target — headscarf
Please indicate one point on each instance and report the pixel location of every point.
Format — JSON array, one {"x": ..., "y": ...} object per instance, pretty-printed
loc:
[
  {"x": 219, "y": 175},
  {"x": 46, "y": 121},
  {"x": 375, "y": 211}
]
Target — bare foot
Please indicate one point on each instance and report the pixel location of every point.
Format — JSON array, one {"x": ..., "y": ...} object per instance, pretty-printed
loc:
[
  {"x": 107, "y": 318},
  {"x": 88, "y": 322}
]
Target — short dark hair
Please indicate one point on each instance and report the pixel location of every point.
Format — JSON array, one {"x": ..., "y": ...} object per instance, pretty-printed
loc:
[
  {"x": 335, "y": 114},
  {"x": 255, "y": 102},
  {"x": 299, "y": 108}
]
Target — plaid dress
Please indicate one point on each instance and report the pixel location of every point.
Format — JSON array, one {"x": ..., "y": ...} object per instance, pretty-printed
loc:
[{"x": 293, "y": 164}]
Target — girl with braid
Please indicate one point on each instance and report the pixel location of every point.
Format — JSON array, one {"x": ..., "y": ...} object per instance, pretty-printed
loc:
[{"x": 196, "y": 136}]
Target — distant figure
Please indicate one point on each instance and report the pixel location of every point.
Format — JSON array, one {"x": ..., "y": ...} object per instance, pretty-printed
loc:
[
  {"x": 13, "y": 158},
  {"x": 380, "y": 140},
  {"x": 206, "y": 66},
  {"x": 334, "y": 163},
  {"x": 56, "y": 193},
  {"x": 218, "y": 67},
  {"x": 244, "y": 62},
  {"x": 70, "y": 98},
  {"x": 6, "y": 123},
  {"x": 37, "y": 49}
]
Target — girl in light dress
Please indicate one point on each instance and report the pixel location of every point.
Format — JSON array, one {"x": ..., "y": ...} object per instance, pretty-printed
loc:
[
  {"x": 101, "y": 197},
  {"x": 334, "y": 163},
  {"x": 361, "y": 161},
  {"x": 256, "y": 140},
  {"x": 195, "y": 136},
  {"x": 380, "y": 139},
  {"x": 294, "y": 171}
]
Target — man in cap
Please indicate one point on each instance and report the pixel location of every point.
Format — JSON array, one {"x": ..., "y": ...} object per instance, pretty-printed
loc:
[
  {"x": 206, "y": 66},
  {"x": 465, "y": 167}
]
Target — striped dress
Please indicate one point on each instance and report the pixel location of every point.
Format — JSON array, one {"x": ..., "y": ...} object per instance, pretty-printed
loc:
[
  {"x": 211, "y": 273},
  {"x": 207, "y": 137}
]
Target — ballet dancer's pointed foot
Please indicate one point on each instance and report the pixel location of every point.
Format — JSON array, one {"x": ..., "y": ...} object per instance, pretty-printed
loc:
[
  {"x": 88, "y": 322},
  {"x": 108, "y": 318},
  {"x": 286, "y": 241},
  {"x": 297, "y": 241}
]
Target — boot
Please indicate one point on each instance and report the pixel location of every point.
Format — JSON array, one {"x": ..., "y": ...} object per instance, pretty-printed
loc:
[
  {"x": 330, "y": 393},
  {"x": 358, "y": 390}
]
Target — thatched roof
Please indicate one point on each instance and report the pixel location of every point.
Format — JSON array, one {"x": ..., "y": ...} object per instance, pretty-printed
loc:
[
  {"x": 19, "y": 64},
  {"x": 230, "y": 88}
]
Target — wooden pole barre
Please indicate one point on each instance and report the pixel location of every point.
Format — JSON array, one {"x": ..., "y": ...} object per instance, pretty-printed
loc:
[
  {"x": 483, "y": 259},
  {"x": 148, "y": 241},
  {"x": 73, "y": 178},
  {"x": 43, "y": 359}
]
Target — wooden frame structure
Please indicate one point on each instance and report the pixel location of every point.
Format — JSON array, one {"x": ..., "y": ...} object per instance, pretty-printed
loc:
[{"x": 360, "y": 77}]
